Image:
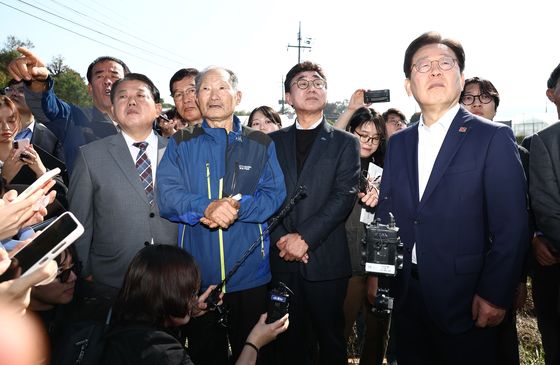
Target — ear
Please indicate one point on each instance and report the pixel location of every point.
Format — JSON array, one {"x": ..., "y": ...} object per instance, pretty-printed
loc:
[
  {"x": 238, "y": 96},
  {"x": 407, "y": 87},
  {"x": 113, "y": 110},
  {"x": 288, "y": 98},
  {"x": 462, "y": 81},
  {"x": 90, "y": 90},
  {"x": 550, "y": 95},
  {"x": 159, "y": 108}
]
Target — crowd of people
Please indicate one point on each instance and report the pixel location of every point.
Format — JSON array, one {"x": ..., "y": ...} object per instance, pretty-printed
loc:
[{"x": 182, "y": 204}]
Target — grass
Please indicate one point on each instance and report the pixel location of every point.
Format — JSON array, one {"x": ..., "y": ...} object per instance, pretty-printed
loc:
[{"x": 530, "y": 345}]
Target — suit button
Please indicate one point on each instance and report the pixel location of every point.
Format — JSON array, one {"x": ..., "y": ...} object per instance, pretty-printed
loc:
[
  {"x": 152, "y": 215},
  {"x": 416, "y": 221},
  {"x": 146, "y": 243}
]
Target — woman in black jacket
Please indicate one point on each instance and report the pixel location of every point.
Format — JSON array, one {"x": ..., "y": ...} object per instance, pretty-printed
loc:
[{"x": 160, "y": 293}]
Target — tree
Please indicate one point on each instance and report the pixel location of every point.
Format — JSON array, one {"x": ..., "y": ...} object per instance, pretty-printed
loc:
[
  {"x": 57, "y": 66},
  {"x": 333, "y": 110},
  {"x": 71, "y": 87}
]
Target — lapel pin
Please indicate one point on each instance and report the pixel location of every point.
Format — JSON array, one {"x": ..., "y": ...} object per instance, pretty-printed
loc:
[{"x": 462, "y": 129}]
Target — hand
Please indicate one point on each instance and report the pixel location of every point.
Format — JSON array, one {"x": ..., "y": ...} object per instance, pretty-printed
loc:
[
  {"x": 293, "y": 248},
  {"x": 31, "y": 158},
  {"x": 221, "y": 212},
  {"x": 372, "y": 283},
  {"x": 28, "y": 67},
  {"x": 14, "y": 216},
  {"x": 11, "y": 166},
  {"x": 485, "y": 313},
  {"x": 357, "y": 100},
  {"x": 16, "y": 292},
  {"x": 201, "y": 306},
  {"x": 263, "y": 333},
  {"x": 541, "y": 249},
  {"x": 371, "y": 198}
]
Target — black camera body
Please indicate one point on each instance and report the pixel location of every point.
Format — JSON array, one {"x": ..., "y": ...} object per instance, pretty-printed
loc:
[
  {"x": 377, "y": 96},
  {"x": 278, "y": 302},
  {"x": 383, "y": 302},
  {"x": 382, "y": 249}
]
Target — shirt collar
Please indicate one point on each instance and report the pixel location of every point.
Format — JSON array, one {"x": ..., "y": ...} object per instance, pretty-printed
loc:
[
  {"x": 443, "y": 122},
  {"x": 151, "y": 139},
  {"x": 313, "y": 126}
]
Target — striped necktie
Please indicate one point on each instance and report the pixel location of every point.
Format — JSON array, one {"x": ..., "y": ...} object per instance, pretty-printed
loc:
[{"x": 144, "y": 168}]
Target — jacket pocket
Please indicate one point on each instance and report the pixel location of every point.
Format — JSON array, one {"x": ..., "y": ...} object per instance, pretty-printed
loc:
[{"x": 469, "y": 264}]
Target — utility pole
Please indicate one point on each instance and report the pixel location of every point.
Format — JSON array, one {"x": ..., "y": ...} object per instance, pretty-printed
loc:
[
  {"x": 299, "y": 46},
  {"x": 282, "y": 101}
]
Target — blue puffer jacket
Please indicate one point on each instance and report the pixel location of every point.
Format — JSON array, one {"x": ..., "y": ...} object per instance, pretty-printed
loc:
[{"x": 202, "y": 164}]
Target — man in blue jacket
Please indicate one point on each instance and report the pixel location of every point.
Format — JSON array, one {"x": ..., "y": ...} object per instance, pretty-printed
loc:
[
  {"x": 222, "y": 181},
  {"x": 73, "y": 125}
]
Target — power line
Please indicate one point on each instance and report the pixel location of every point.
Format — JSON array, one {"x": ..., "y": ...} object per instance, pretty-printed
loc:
[
  {"x": 115, "y": 28},
  {"x": 83, "y": 36},
  {"x": 96, "y": 31}
]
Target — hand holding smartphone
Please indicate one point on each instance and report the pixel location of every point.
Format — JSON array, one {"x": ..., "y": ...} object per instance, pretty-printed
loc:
[
  {"x": 20, "y": 146},
  {"x": 38, "y": 184},
  {"x": 45, "y": 246}
]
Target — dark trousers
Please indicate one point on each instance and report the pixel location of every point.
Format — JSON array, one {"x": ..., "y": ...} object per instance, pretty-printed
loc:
[
  {"x": 546, "y": 296},
  {"x": 207, "y": 340},
  {"x": 316, "y": 320},
  {"x": 508, "y": 344},
  {"x": 421, "y": 342}
]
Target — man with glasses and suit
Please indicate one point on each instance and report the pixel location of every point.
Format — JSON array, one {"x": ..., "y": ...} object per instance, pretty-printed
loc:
[{"x": 456, "y": 187}]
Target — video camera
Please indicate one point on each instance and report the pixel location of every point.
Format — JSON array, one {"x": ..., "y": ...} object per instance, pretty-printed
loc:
[{"x": 382, "y": 254}]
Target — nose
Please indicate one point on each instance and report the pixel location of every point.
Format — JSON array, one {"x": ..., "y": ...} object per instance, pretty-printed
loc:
[
  {"x": 5, "y": 126},
  {"x": 132, "y": 100}
]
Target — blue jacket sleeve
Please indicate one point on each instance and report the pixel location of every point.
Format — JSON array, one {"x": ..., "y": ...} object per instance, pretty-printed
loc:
[
  {"x": 175, "y": 198},
  {"x": 269, "y": 194},
  {"x": 54, "y": 109}
]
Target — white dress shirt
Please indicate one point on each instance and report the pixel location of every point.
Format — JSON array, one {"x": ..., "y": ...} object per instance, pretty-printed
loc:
[
  {"x": 151, "y": 150},
  {"x": 430, "y": 139}
]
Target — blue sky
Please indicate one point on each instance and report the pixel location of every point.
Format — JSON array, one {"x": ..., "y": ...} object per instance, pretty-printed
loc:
[{"x": 360, "y": 44}]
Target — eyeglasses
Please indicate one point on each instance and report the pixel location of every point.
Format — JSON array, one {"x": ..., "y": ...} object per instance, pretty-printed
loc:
[
  {"x": 305, "y": 84},
  {"x": 64, "y": 275},
  {"x": 12, "y": 90},
  {"x": 178, "y": 94},
  {"x": 469, "y": 99},
  {"x": 396, "y": 123},
  {"x": 364, "y": 138},
  {"x": 444, "y": 63}
]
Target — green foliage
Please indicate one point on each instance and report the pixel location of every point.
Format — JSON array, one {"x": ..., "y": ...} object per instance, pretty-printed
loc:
[
  {"x": 8, "y": 53},
  {"x": 71, "y": 87}
]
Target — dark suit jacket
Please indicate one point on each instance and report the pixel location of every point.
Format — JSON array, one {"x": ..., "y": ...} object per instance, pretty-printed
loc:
[
  {"x": 544, "y": 171},
  {"x": 47, "y": 141},
  {"x": 470, "y": 227},
  {"x": 107, "y": 196},
  {"x": 330, "y": 174}
]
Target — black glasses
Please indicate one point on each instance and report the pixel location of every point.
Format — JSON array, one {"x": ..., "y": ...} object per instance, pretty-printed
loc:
[
  {"x": 396, "y": 123},
  {"x": 468, "y": 99},
  {"x": 364, "y": 138},
  {"x": 179, "y": 94},
  {"x": 444, "y": 63},
  {"x": 64, "y": 275},
  {"x": 305, "y": 84}
]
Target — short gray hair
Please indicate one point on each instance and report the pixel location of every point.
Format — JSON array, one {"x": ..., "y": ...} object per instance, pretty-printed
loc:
[{"x": 232, "y": 77}]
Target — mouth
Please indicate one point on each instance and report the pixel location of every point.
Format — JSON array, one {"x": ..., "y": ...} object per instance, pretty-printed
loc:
[
  {"x": 132, "y": 112},
  {"x": 107, "y": 92},
  {"x": 436, "y": 85},
  {"x": 6, "y": 135}
]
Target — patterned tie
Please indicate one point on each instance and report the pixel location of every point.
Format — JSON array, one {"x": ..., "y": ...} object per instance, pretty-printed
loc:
[{"x": 144, "y": 168}]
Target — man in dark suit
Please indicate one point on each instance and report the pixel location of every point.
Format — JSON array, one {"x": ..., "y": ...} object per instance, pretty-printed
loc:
[
  {"x": 544, "y": 188},
  {"x": 107, "y": 194},
  {"x": 456, "y": 187},
  {"x": 309, "y": 251}
]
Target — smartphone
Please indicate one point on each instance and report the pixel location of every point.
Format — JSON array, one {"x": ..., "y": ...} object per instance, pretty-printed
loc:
[
  {"x": 20, "y": 146},
  {"x": 39, "y": 183},
  {"x": 44, "y": 247},
  {"x": 377, "y": 96}
]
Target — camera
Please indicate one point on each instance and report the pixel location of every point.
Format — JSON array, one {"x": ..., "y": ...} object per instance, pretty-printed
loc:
[
  {"x": 382, "y": 248},
  {"x": 383, "y": 302},
  {"x": 377, "y": 96},
  {"x": 278, "y": 302}
]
